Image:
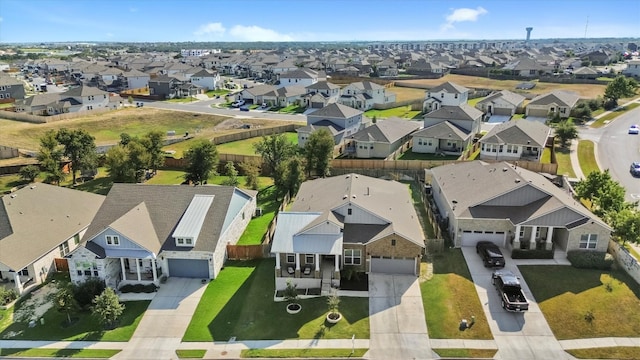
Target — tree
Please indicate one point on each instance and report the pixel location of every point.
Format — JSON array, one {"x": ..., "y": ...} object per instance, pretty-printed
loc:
[
  {"x": 29, "y": 173},
  {"x": 274, "y": 149},
  {"x": 138, "y": 159},
  {"x": 153, "y": 142},
  {"x": 251, "y": 170},
  {"x": 319, "y": 151},
  {"x": 202, "y": 158},
  {"x": 626, "y": 225},
  {"x": 130, "y": 99},
  {"x": 50, "y": 156},
  {"x": 232, "y": 173},
  {"x": 333, "y": 303},
  {"x": 80, "y": 148},
  {"x": 620, "y": 87},
  {"x": 565, "y": 131},
  {"x": 582, "y": 111},
  {"x": 65, "y": 301},
  {"x": 605, "y": 194},
  {"x": 125, "y": 139},
  {"x": 107, "y": 307},
  {"x": 293, "y": 175},
  {"x": 118, "y": 167}
]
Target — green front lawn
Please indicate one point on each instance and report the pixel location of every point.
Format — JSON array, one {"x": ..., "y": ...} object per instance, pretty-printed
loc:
[
  {"x": 466, "y": 353},
  {"x": 449, "y": 296},
  {"x": 564, "y": 162},
  {"x": 410, "y": 155},
  {"x": 546, "y": 156},
  {"x": 612, "y": 115},
  {"x": 246, "y": 146},
  {"x": 302, "y": 353},
  {"x": 618, "y": 353},
  {"x": 473, "y": 102},
  {"x": 221, "y": 92},
  {"x": 239, "y": 303},
  {"x": 291, "y": 109},
  {"x": 85, "y": 328},
  {"x": 258, "y": 226},
  {"x": 403, "y": 112},
  {"x": 182, "y": 100},
  {"x": 191, "y": 354},
  {"x": 60, "y": 353},
  {"x": 569, "y": 297},
  {"x": 587, "y": 158}
]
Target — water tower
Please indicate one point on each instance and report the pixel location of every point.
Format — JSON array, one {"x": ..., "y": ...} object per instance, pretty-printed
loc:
[{"x": 529, "y": 33}]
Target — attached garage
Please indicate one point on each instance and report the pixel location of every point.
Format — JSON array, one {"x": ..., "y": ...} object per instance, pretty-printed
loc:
[
  {"x": 470, "y": 238},
  {"x": 502, "y": 111},
  {"x": 540, "y": 112},
  {"x": 189, "y": 268},
  {"x": 393, "y": 266}
]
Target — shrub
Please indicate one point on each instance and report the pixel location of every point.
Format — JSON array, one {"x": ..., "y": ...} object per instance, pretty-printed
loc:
[
  {"x": 531, "y": 254},
  {"x": 138, "y": 288},
  {"x": 85, "y": 292},
  {"x": 587, "y": 259},
  {"x": 7, "y": 295}
]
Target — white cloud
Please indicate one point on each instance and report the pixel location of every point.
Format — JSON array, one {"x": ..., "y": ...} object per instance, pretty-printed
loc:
[
  {"x": 256, "y": 33},
  {"x": 210, "y": 29},
  {"x": 462, "y": 15}
]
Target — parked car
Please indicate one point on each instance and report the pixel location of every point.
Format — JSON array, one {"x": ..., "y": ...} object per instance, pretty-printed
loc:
[
  {"x": 635, "y": 169},
  {"x": 244, "y": 108},
  {"x": 508, "y": 286},
  {"x": 490, "y": 254},
  {"x": 238, "y": 103},
  {"x": 634, "y": 129}
]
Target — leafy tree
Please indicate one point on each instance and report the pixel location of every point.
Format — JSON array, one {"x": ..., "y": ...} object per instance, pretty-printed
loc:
[
  {"x": 605, "y": 194},
  {"x": 107, "y": 307},
  {"x": 138, "y": 159},
  {"x": 626, "y": 225},
  {"x": 620, "y": 87},
  {"x": 130, "y": 99},
  {"x": 319, "y": 151},
  {"x": 251, "y": 170},
  {"x": 65, "y": 302},
  {"x": 274, "y": 149},
  {"x": 582, "y": 111},
  {"x": 202, "y": 158},
  {"x": 153, "y": 142},
  {"x": 232, "y": 173},
  {"x": 117, "y": 163},
  {"x": 125, "y": 139},
  {"x": 294, "y": 175},
  {"x": 29, "y": 173},
  {"x": 565, "y": 131},
  {"x": 50, "y": 156},
  {"x": 86, "y": 291},
  {"x": 80, "y": 147}
]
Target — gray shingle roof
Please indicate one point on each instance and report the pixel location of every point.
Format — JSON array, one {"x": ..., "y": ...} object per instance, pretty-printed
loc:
[
  {"x": 387, "y": 131},
  {"x": 323, "y": 85},
  {"x": 84, "y": 91},
  {"x": 450, "y": 87},
  {"x": 41, "y": 217},
  {"x": 562, "y": 98},
  {"x": 508, "y": 96},
  {"x": 443, "y": 130},
  {"x": 520, "y": 132},
  {"x": 460, "y": 112},
  {"x": 336, "y": 111}
]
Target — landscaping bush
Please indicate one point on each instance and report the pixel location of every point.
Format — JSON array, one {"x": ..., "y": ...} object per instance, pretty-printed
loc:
[
  {"x": 7, "y": 295},
  {"x": 85, "y": 292},
  {"x": 531, "y": 254},
  {"x": 138, "y": 288},
  {"x": 586, "y": 259}
]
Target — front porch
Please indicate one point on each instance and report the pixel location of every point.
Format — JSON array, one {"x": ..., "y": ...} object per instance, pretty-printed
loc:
[
  {"x": 319, "y": 271},
  {"x": 533, "y": 237},
  {"x": 144, "y": 271},
  {"x": 22, "y": 284}
]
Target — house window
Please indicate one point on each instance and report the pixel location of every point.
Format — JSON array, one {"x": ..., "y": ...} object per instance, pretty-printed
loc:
[
  {"x": 180, "y": 241},
  {"x": 521, "y": 235},
  {"x": 89, "y": 107},
  {"x": 113, "y": 240},
  {"x": 442, "y": 95},
  {"x": 455, "y": 96},
  {"x": 24, "y": 272},
  {"x": 309, "y": 259},
  {"x": 393, "y": 242},
  {"x": 588, "y": 241},
  {"x": 349, "y": 211},
  {"x": 291, "y": 258},
  {"x": 188, "y": 241},
  {"x": 64, "y": 248},
  {"x": 419, "y": 141},
  {"x": 76, "y": 239},
  {"x": 537, "y": 233},
  {"x": 352, "y": 256},
  {"x": 1, "y": 96}
]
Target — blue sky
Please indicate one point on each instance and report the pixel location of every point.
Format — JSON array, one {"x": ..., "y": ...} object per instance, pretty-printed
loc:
[{"x": 311, "y": 20}]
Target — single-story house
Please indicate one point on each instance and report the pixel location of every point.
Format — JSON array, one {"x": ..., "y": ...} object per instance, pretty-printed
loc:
[
  {"x": 347, "y": 221},
  {"x": 39, "y": 225},
  {"x": 142, "y": 232},
  {"x": 515, "y": 209},
  {"x": 444, "y": 138},
  {"x": 382, "y": 138},
  {"x": 284, "y": 96},
  {"x": 515, "y": 140},
  {"x": 555, "y": 102},
  {"x": 502, "y": 102}
]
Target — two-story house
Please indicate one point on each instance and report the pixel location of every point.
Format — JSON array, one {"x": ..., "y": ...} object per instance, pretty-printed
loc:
[
  {"x": 342, "y": 121},
  {"x": 137, "y": 79},
  {"x": 206, "y": 79},
  {"x": 85, "y": 98},
  {"x": 321, "y": 94},
  {"x": 381, "y": 139},
  {"x": 363, "y": 95},
  {"x": 11, "y": 88},
  {"x": 300, "y": 77}
]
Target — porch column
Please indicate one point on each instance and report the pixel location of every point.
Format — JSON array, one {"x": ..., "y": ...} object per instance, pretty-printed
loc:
[
  {"x": 317, "y": 272},
  {"x": 548, "y": 245},
  {"x": 277, "y": 261},
  {"x": 297, "y": 265},
  {"x": 124, "y": 274},
  {"x": 516, "y": 239},
  {"x": 154, "y": 271},
  {"x": 532, "y": 238},
  {"x": 138, "y": 269},
  {"x": 337, "y": 263},
  {"x": 16, "y": 279}
]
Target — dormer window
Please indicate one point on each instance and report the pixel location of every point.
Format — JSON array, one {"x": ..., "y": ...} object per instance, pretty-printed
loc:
[
  {"x": 184, "y": 241},
  {"x": 113, "y": 240}
]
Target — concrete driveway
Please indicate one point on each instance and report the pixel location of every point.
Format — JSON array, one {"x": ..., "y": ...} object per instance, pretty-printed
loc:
[
  {"x": 396, "y": 318},
  {"x": 161, "y": 329},
  {"x": 517, "y": 335}
]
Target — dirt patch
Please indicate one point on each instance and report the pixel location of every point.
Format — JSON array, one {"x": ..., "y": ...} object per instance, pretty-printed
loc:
[{"x": 40, "y": 302}]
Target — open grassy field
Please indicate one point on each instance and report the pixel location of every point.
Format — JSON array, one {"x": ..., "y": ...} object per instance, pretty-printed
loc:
[
  {"x": 406, "y": 93},
  {"x": 403, "y": 112},
  {"x": 589, "y": 91},
  {"x": 245, "y": 147}
]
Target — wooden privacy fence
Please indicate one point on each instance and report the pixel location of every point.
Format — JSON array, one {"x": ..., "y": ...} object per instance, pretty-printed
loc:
[
  {"x": 19, "y": 116},
  {"x": 255, "y": 133},
  {"x": 247, "y": 252}
]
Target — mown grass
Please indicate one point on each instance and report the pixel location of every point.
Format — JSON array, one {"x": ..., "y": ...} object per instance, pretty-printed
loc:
[
  {"x": 546, "y": 156},
  {"x": 403, "y": 112},
  {"x": 449, "y": 296},
  {"x": 563, "y": 159},
  {"x": 617, "y": 352},
  {"x": 239, "y": 303},
  {"x": 410, "y": 155},
  {"x": 191, "y": 353},
  {"x": 585, "y": 303},
  {"x": 60, "y": 353},
  {"x": 302, "y": 353},
  {"x": 466, "y": 353},
  {"x": 257, "y": 227},
  {"x": 587, "y": 158},
  {"x": 246, "y": 146},
  {"x": 600, "y": 122}
]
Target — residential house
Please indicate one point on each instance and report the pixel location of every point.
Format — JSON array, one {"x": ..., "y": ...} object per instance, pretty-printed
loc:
[
  {"x": 443, "y": 138},
  {"x": 321, "y": 94},
  {"x": 299, "y": 77},
  {"x": 166, "y": 87},
  {"x": 586, "y": 73},
  {"x": 516, "y": 209},
  {"x": 633, "y": 68},
  {"x": 349, "y": 221},
  {"x": 284, "y": 96},
  {"x": 11, "y": 88},
  {"x": 82, "y": 98},
  {"x": 381, "y": 139},
  {"x": 515, "y": 140},
  {"x": 525, "y": 67},
  {"x": 387, "y": 67},
  {"x": 142, "y": 232},
  {"x": 363, "y": 95},
  {"x": 503, "y": 102},
  {"x": 556, "y": 102},
  {"x": 39, "y": 225},
  {"x": 137, "y": 79},
  {"x": 341, "y": 120},
  {"x": 85, "y": 98},
  {"x": 446, "y": 94},
  {"x": 206, "y": 79},
  {"x": 255, "y": 94},
  {"x": 599, "y": 57}
]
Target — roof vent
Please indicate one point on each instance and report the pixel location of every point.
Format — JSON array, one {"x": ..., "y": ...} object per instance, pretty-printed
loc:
[
  {"x": 504, "y": 169},
  {"x": 345, "y": 197},
  {"x": 517, "y": 181},
  {"x": 13, "y": 196},
  {"x": 32, "y": 187},
  {"x": 348, "y": 176},
  {"x": 353, "y": 196}
]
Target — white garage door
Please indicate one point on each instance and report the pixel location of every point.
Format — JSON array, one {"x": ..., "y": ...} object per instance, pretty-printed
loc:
[
  {"x": 470, "y": 238},
  {"x": 393, "y": 266}
]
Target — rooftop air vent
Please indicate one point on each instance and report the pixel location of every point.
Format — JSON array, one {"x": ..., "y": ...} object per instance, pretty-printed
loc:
[
  {"x": 345, "y": 197},
  {"x": 353, "y": 196},
  {"x": 504, "y": 169}
]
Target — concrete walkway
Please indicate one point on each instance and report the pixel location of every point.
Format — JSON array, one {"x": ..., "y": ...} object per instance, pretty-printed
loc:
[{"x": 575, "y": 162}]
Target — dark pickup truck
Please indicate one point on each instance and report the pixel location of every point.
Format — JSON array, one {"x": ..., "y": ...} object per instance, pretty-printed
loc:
[{"x": 508, "y": 287}]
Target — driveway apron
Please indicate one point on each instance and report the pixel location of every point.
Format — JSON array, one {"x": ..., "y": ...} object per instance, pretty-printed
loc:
[
  {"x": 517, "y": 335},
  {"x": 161, "y": 329},
  {"x": 396, "y": 318}
]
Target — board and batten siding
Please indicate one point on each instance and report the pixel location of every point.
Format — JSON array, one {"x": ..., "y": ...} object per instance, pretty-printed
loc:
[
  {"x": 125, "y": 243},
  {"x": 525, "y": 195},
  {"x": 358, "y": 215}
]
